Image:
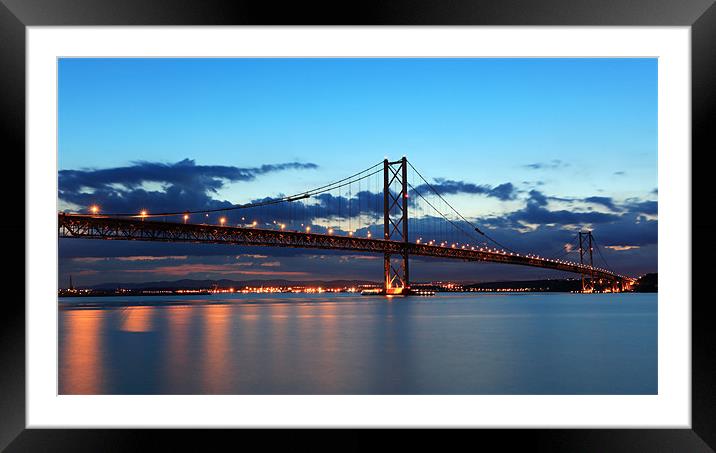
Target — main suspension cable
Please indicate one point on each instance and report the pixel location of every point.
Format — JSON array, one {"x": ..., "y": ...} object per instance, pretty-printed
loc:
[{"x": 456, "y": 212}]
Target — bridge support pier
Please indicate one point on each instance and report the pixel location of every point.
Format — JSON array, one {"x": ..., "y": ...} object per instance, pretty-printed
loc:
[
  {"x": 585, "y": 247},
  {"x": 395, "y": 225}
]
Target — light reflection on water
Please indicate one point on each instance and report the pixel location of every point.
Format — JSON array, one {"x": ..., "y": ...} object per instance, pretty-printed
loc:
[
  {"x": 348, "y": 344},
  {"x": 81, "y": 365}
]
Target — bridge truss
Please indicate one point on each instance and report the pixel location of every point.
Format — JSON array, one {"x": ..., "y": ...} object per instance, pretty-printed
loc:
[{"x": 95, "y": 227}]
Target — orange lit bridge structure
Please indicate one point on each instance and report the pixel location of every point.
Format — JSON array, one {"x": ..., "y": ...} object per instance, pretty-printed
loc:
[{"x": 451, "y": 238}]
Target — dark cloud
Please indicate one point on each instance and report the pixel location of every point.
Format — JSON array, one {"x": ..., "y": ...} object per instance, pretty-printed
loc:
[
  {"x": 535, "y": 214},
  {"x": 642, "y": 207},
  {"x": 607, "y": 202},
  {"x": 506, "y": 191},
  {"x": 185, "y": 185},
  {"x": 536, "y": 198},
  {"x": 619, "y": 173},
  {"x": 184, "y": 173},
  {"x": 629, "y": 229},
  {"x": 338, "y": 208}
]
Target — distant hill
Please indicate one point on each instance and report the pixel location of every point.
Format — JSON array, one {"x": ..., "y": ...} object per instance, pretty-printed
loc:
[
  {"x": 558, "y": 285},
  {"x": 648, "y": 283},
  {"x": 224, "y": 283}
]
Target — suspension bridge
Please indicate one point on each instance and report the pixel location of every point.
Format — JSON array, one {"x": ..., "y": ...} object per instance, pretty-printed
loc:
[{"x": 388, "y": 209}]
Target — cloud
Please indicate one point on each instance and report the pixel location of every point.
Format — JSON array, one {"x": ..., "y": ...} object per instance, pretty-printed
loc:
[
  {"x": 506, "y": 191},
  {"x": 295, "y": 215},
  {"x": 551, "y": 165},
  {"x": 634, "y": 205},
  {"x": 151, "y": 258},
  {"x": 642, "y": 207},
  {"x": 89, "y": 259},
  {"x": 630, "y": 228},
  {"x": 184, "y": 173},
  {"x": 607, "y": 202},
  {"x": 184, "y": 185},
  {"x": 620, "y": 248},
  {"x": 184, "y": 270},
  {"x": 534, "y": 183},
  {"x": 86, "y": 272},
  {"x": 348, "y": 258},
  {"x": 619, "y": 173},
  {"x": 536, "y": 214},
  {"x": 536, "y": 198}
]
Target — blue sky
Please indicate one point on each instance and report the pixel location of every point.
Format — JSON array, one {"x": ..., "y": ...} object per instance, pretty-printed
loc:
[{"x": 570, "y": 129}]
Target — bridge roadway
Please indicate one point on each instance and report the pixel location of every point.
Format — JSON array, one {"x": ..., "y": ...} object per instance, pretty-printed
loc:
[{"x": 134, "y": 229}]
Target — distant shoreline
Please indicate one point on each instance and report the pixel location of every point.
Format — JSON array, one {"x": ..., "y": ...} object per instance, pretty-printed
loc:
[{"x": 646, "y": 283}]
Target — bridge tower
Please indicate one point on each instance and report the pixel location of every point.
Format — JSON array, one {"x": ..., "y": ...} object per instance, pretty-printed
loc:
[
  {"x": 585, "y": 247},
  {"x": 395, "y": 224}
]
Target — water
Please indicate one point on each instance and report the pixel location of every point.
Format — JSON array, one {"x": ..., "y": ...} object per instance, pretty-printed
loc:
[{"x": 351, "y": 344}]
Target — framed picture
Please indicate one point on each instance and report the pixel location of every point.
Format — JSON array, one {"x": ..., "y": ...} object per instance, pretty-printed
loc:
[{"x": 421, "y": 217}]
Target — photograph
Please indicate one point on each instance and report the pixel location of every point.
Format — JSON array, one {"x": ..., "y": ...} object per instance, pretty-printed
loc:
[
  {"x": 481, "y": 217},
  {"x": 357, "y": 226}
]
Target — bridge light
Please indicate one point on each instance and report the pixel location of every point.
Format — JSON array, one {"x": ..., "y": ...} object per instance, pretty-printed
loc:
[
  {"x": 222, "y": 221},
  {"x": 350, "y": 233},
  {"x": 283, "y": 226},
  {"x": 254, "y": 223},
  {"x": 143, "y": 213},
  {"x": 94, "y": 209},
  {"x": 308, "y": 229},
  {"x": 330, "y": 231},
  {"x": 186, "y": 217},
  {"x": 369, "y": 234}
]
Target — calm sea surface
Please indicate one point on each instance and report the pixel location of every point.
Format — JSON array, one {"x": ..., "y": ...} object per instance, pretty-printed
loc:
[{"x": 351, "y": 344}]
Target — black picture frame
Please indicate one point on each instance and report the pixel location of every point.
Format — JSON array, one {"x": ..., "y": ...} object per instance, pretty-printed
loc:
[{"x": 16, "y": 15}]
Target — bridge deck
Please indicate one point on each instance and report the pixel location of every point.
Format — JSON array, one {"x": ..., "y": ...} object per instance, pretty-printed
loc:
[{"x": 98, "y": 227}]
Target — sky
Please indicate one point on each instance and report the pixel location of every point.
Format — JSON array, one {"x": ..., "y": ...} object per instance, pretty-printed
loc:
[{"x": 530, "y": 149}]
